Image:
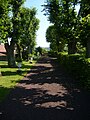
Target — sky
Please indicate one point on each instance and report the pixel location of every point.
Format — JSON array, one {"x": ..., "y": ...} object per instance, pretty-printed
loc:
[{"x": 43, "y": 25}]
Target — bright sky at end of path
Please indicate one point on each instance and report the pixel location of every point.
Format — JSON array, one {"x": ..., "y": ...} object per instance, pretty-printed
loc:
[{"x": 41, "y": 40}]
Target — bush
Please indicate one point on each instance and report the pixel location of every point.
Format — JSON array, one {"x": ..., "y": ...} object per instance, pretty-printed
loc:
[
  {"x": 52, "y": 53},
  {"x": 78, "y": 66}
]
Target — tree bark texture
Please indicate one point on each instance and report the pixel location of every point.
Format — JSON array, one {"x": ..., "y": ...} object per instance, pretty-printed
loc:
[
  {"x": 10, "y": 54},
  {"x": 19, "y": 51}
]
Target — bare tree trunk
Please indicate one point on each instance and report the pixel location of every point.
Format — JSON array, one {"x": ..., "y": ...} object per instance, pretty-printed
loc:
[
  {"x": 10, "y": 54},
  {"x": 19, "y": 51}
]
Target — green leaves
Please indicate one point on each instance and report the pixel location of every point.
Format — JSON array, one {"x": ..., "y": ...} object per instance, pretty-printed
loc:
[
  {"x": 70, "y": 27},
  {"x": 62, "y": 14},
  {"x": 28, "y": 25}
]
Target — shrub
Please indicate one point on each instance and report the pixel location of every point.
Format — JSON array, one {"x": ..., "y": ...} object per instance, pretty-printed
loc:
[
  {"x": 52, "y": 53},
  {"x": 78, "y": 66}
]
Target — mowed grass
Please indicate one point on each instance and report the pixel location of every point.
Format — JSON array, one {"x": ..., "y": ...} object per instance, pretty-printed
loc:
[{"x": 10, "y": 77}]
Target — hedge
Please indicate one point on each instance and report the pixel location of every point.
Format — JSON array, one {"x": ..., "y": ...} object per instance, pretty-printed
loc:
[{"x": 78, "y": 66}]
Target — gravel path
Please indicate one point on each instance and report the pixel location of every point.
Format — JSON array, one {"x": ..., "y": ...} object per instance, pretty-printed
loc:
[{"x": 46, "y": 93}]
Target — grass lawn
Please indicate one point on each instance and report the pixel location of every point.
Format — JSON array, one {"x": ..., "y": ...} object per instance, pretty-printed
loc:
[{"x": 10, "y": 77}]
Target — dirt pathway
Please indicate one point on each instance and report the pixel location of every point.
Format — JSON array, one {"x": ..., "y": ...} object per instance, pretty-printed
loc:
[{"x": 46, "y": 93}]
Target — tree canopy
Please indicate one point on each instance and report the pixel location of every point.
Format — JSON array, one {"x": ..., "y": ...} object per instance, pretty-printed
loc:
[
  {"x": 18, "y": 23},
  {"x": 70, "y": 27}
]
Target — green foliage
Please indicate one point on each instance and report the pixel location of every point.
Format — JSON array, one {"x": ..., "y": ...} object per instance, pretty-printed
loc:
[
  {"x": 39, "y": 49},
  {"x": 44, "y": 51},
  {"x": 78, "y": 66},
  {"x": 4, "y": 19},
  {"x": 10, "y": 77},
  {"x": 52, "y": 53},
  {"x": 18, "y": 23},
  {"x": 84, "y": 30},
  {"x": 28, "y": 20},
  {"x": 18, "y": 59},
  {"x": 64, "y": 18},
  {"x": 69, "y": 26}
]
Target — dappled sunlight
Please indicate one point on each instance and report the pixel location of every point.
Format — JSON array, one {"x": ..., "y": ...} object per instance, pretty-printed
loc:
[
  {"x": 55, "y": 89},
  {"x": 26, "y": 101},
  {"x": 45, "y": 93},
  {"x": 46, "y": 96},
  {"x": 56, "y": 105},
  {"x": 44, "y": 88},
  {"x": 51, "y": 89}
]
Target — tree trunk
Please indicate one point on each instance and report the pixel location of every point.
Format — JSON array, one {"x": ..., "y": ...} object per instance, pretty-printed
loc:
[
  {"x": 88, "y": 48},
  {"x": 19, "y": 51},
  {"x": 10, "y": 54},
  {"x": 72, "y": 47}
]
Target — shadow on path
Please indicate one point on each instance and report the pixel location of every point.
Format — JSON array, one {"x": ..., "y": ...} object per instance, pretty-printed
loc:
[{"x": 46, "y": 93}]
